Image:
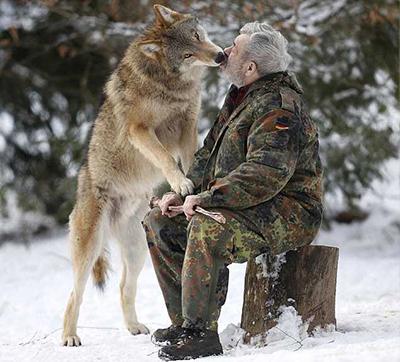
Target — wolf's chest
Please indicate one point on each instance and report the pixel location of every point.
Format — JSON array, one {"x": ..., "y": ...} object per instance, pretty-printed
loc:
[{"x": 170, "y": 107}]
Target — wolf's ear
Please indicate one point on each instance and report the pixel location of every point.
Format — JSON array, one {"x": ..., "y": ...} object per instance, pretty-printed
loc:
[
  {"x": 166, "y": 16},
  {"x": 150, "y": 48}
]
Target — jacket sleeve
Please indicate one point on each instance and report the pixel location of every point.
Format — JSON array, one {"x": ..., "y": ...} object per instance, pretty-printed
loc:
[{"x": 272, "y": 152}]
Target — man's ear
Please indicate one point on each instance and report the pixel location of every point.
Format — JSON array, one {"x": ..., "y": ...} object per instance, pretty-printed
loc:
[
  {"x": 150, "y": 48},
  {"x": 251, "y": 68},
  {"x": 166, "y": 16}
]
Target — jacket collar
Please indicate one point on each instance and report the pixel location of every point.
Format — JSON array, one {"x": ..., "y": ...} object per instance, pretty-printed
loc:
[
  {"x": 266, "y": 81},
  {"x": 269, "y": 79}
]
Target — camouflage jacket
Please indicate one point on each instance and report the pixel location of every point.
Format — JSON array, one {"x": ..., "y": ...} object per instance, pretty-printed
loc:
[{"x": 268, "y": 146}]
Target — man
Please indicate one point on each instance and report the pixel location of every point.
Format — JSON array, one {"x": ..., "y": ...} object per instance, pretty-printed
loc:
[{"x": 259, "y": 166}]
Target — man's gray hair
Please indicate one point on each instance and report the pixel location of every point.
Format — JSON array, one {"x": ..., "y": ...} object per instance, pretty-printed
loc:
[{"x": 267, "y": 48}]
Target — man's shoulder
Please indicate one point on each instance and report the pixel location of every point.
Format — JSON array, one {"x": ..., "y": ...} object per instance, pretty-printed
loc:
[
  {"x": 269, "y": 100},
  {"x": 290, "y": 99},
  {"x": 285, "y": 104}
]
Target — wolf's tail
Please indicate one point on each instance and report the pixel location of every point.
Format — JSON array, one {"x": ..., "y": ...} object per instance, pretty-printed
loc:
[{"x": 100, "y": 270}]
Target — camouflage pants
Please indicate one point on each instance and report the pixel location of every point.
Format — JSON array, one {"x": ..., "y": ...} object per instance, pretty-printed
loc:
[{"x": 190, "y": 260}]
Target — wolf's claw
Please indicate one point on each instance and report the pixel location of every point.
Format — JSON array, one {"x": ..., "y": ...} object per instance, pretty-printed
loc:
[
  {"x": 181, "y": 185},
  {"x": 186, "y": 188},
  {"x": 138, "y": 328},
  {"x": 71, "y": 341}
]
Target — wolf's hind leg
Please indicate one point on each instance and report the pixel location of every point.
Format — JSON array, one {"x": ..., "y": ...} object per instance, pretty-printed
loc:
[
  {"x": 132, "y": 240},
  {"x": 86, "y": 246}
]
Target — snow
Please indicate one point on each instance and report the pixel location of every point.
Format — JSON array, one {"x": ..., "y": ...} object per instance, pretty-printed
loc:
[
  {"x": 275, "y": 269},
  {"x": 36, "y": 279}
]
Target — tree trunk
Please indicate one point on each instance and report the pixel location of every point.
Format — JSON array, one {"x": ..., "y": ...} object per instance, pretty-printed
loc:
[{"x": 304, "y": 278}]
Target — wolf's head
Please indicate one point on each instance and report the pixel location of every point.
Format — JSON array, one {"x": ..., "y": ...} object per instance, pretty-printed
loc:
[{"x": 178, "y": 42}]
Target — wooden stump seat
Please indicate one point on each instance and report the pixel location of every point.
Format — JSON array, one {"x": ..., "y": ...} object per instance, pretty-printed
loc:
[{"x": 304, "y": 278}]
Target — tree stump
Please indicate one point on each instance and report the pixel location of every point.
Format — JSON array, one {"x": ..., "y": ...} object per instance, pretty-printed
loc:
[{"x": 304, "y": 278}]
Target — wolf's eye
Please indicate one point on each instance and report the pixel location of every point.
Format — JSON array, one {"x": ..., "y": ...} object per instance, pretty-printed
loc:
[
  {"x": 187, "y": 55},
  {"x": 197, "y": 36}
]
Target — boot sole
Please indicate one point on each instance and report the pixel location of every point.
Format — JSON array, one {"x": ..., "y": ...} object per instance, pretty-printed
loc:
[{"x": 167, "y": 357}]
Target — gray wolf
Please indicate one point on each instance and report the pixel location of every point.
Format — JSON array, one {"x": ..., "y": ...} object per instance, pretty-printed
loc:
[{"x": 147, "y": 123}]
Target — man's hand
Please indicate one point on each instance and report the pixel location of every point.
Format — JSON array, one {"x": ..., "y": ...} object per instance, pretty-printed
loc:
[
  {"x": 170, "y": 199},
  {"x": 190, "y": 203}
]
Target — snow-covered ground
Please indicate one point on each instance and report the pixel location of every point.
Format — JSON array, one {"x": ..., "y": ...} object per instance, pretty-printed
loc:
[{"x": 35, "y": 282}]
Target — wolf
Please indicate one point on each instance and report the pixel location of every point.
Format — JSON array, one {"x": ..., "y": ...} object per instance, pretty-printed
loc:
[{"x": 145, "y": 132}]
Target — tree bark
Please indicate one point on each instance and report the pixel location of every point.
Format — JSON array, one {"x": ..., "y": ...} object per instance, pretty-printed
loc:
[{"x": 304, "y": 278}]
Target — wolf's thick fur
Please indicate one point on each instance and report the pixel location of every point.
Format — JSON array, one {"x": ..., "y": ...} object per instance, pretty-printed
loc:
[{"x": 147, "y": 122}]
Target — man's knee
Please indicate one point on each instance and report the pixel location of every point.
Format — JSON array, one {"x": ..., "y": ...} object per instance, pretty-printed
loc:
[
  {"x": 153, "y": 222},
  {"x": 162, "y": 230}
]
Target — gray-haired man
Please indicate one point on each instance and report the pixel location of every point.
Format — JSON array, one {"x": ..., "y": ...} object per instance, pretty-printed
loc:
[{"x": 260, "y": 168}]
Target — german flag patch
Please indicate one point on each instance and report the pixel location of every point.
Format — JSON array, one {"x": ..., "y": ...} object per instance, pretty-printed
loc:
[{"x": 282, "y": 124}]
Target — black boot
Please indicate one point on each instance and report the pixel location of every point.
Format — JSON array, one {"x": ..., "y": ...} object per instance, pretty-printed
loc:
[
  {"x": 166, "y": 336},
  {"x": 193, "y": 343}
]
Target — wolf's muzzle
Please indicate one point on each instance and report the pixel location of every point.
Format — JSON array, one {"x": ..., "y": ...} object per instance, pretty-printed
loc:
[{"x": 219, "y": 58}]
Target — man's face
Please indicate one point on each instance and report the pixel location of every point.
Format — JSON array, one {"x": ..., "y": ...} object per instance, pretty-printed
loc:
[{"x": 235, "y": 66}]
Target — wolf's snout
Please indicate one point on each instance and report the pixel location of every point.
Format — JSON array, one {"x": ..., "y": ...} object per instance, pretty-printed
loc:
[{"x": 220, "y": 58}]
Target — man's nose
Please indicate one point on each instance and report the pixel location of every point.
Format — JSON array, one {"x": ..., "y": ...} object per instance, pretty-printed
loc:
[{"x": 227, "y": 51}]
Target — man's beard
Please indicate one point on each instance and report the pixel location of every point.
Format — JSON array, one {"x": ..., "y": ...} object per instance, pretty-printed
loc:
[{"x": 234, "y": 73}]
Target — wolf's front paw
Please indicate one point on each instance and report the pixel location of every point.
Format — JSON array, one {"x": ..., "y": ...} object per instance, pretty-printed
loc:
[
  {"x": 71, "y": 341},
  {"x": 138, "y": 328},
  {"x": 181, "y": 185},
  {"x": 186, "y": 187}
]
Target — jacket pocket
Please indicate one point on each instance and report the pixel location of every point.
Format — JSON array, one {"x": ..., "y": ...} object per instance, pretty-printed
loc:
[{"x": 277, "y": 139}]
